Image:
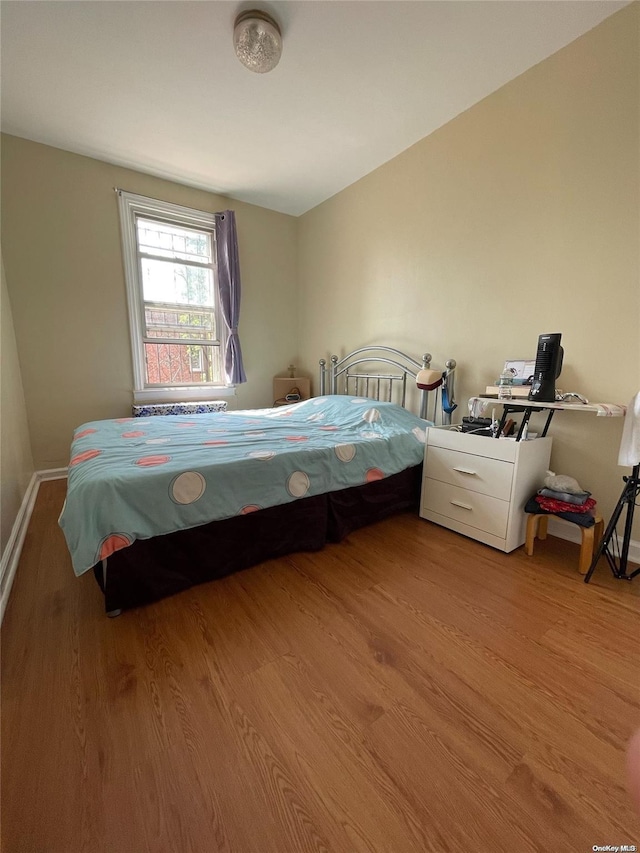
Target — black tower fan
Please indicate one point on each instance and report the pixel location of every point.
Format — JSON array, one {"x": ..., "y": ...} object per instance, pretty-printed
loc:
[{"x": 547, "y": 369}]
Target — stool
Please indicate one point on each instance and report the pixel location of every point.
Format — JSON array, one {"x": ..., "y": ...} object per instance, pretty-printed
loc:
[{"x": 591, "y": 536}]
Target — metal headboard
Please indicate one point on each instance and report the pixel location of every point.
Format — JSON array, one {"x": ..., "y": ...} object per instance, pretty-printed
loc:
[{"x": 348, "y": 375}]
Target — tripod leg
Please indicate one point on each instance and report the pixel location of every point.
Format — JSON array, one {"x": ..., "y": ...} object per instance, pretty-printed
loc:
[
  {"x": 608, "y": 535},
  {"x": 626, "y": 540}
]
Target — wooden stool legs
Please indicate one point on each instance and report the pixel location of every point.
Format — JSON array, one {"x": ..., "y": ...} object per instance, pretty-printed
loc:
[
  {"x": 536, "y": 526},
  {"x": 591, "y": 536}
]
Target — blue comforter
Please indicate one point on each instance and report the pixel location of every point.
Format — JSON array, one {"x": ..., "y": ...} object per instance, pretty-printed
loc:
[{"x": 133, "y": 478}]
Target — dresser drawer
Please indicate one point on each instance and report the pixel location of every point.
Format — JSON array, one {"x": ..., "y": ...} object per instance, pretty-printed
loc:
[
  {"x": 472, "y": 508},
  {"x": 478, "y": 473}
]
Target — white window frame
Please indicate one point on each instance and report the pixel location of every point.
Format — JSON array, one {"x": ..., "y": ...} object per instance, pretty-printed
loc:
[{"x": 132, "y": 206}]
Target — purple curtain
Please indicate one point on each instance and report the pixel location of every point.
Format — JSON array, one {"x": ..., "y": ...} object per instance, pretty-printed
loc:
[{"x": 229, "y": 287}]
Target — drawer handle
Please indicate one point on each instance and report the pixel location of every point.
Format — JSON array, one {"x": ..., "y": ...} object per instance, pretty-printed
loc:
[
  {"x": 461, "y": 505},
  {"x": 466, "y": 471}
]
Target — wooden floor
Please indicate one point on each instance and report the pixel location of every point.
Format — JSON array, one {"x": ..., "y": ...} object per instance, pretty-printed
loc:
[{"x": 406, "y": 690}]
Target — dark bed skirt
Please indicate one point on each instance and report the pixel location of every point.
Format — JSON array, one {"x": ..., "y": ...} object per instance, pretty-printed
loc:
[{"x": 151, "y": 569}]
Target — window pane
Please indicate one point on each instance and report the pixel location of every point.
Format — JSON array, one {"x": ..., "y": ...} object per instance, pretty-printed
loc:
[
  {"x": 176, "y": 284},
  {"x": 172, "y": 241},
  {"x": 172, "y": 321},
  {"x": 183, "y": 364}
]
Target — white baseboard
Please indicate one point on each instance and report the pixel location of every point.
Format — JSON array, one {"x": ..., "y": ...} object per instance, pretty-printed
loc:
[
  {"x": 51, "y": 474},
  {"x": 571, "y": 532},
  {"x": 11, "y": 555}
]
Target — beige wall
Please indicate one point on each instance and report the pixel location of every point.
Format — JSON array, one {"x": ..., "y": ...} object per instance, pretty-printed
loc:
[
  {"x": 519, "y": 217},
  {"x": 61, "y": 244},
  {"x": 16, "y": 463}
]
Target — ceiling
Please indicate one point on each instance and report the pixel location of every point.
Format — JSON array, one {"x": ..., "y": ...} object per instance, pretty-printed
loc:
[{"x": 156, "y": 86}]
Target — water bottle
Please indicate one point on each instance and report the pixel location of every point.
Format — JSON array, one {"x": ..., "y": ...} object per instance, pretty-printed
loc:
[{"x": 505, "y": 385}]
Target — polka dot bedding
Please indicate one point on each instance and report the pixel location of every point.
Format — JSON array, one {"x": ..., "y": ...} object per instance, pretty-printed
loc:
[{"x": 134, "y": 479}]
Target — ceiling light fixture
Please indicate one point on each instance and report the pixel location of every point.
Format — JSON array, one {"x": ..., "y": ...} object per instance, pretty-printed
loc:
[{"x": 257, "y": 40}]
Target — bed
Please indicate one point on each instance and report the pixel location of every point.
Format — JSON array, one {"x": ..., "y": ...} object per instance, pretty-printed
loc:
[{"x": 156, "y": 505}]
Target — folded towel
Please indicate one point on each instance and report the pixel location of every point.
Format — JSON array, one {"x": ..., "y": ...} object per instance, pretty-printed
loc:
[
  {"x": 560, "y": 506},
  {"x": 568, "y": 498},
  {"x": 629, "y": 454},
  {"x": 584, "y": 519}
]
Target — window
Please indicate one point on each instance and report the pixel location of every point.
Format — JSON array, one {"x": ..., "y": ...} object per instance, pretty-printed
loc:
[{"x": 177, "y": 332}]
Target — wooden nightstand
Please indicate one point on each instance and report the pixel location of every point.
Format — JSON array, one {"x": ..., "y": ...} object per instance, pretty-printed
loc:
[
  {"x": 478, "y": 486},
  {"x": 283, "y": 385}
]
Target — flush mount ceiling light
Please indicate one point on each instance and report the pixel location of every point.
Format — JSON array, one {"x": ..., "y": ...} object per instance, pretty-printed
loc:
[{"x": 257, "y": 40}]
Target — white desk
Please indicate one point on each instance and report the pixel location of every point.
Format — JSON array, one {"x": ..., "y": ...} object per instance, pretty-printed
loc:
[{"x": 517, "y": 404}]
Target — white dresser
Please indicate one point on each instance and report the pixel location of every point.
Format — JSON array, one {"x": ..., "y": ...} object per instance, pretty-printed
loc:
[{"x": 478, "y": 486}]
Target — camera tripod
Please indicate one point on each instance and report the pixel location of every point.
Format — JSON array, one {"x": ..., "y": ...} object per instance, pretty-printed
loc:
[{"x": 609, "y": 545}]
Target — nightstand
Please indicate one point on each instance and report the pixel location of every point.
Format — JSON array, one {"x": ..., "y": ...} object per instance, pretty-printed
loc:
[
  {"x": 478, "y": 486},
  {"x": 283, "y": 385}
]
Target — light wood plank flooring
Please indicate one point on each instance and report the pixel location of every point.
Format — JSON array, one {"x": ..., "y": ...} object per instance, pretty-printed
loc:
[{"x": 406, "y": 690}]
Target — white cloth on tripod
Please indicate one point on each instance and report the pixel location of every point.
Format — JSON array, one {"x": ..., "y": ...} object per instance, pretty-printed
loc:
[{"x": 629, "y": 454}]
